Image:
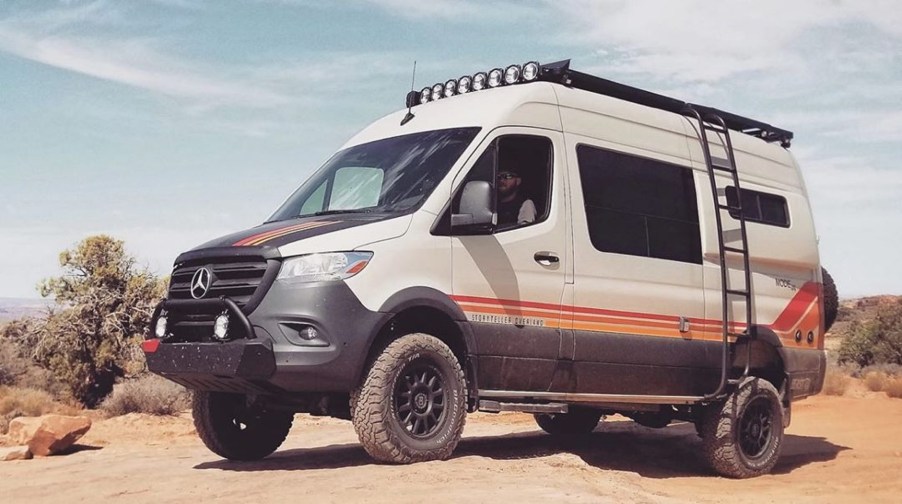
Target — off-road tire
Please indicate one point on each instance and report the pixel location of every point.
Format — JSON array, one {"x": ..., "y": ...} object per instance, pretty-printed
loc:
[
  {"x": 235, "y": 431},
  {"x": 743, "y": 436},
  {"x": 831, "y": 300},
  {"x": 577, "y": 421},
  {"x": 401, "y": 419}
]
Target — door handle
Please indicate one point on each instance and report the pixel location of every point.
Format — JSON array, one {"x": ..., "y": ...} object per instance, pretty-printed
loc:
[{"x": 546, "y": 258}]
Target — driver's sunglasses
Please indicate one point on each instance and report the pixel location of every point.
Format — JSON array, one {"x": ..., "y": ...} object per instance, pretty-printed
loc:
[{"x": 505, "y": 176}]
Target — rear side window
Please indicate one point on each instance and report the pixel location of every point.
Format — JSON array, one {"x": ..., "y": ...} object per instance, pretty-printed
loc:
[
  {"x": 639, "y": 206},
  {"x": 761, "y": 207}
]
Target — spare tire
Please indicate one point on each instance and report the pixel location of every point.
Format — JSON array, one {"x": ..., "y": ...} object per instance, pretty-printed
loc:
[{"x": 831, "y": 300}]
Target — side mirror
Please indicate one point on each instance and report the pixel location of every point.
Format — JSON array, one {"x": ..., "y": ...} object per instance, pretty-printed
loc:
[{"x": 475, "y": 207}]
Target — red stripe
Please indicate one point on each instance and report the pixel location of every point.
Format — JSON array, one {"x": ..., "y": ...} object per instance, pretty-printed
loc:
[
  {"x": 793, "y": 312},
  {"x": 796, "y": 308},
  {"x": 268, "y": 233}
]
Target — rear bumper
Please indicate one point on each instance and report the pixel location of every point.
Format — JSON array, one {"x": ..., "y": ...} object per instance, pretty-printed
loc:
[{"x": 271, "y": 355}]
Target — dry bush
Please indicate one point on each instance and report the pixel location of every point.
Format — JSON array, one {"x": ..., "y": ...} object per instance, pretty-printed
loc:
[
  {"x": 893, "y": 387},
  {"x": 875, "y": 381},
  {"x": 836, "y": 381},
  {"x": 16, "y": 402},
  {"x": 147, "y": 394}
]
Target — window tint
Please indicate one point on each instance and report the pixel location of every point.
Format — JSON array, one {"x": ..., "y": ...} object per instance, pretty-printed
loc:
[
  {"x": 759, "y": 207},
  {"x": 638, "y": 206}
]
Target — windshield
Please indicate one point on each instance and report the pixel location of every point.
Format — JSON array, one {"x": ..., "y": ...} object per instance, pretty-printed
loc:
[{"x": 393, "y": 175}]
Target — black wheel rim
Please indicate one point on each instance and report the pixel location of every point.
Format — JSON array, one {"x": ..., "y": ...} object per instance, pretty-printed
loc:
[
  {"x": 756, "y": 428},
  {"x": 420, "y": 399}
]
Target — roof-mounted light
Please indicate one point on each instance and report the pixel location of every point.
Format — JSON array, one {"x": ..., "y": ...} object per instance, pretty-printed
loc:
[
  {"x": 464, "y": 84},
  {"x": 495, "y": 77},
  {"x": 450, "y": 88},
  {"x": 512, "y": 74},
  {"x": 480, "y": 81},
  {"x": 530, "y": 71}
]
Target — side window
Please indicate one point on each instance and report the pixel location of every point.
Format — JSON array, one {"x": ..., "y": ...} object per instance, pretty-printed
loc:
[
  {"x": 759, "y": 207},
  {"x": 639, "y": 206},
  {"x": 519, "y": 169}
]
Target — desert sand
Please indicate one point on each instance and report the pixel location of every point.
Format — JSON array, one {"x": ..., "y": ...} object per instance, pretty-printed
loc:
[{"x": 838, "y": 449}]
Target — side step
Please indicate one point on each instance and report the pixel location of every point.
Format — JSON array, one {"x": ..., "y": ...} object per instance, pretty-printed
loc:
[{"x": 497, "y": 406}]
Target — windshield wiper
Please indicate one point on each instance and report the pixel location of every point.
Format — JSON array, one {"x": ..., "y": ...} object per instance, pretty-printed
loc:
[{"x": 341, "y": 211}]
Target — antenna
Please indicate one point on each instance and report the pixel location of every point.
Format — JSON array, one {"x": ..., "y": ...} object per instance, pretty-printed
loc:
[{"x": 411, "y": 96}]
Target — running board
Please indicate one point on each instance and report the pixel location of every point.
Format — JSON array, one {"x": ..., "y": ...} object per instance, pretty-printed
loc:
[
  {"x": 496, "y": 407},
  {"x": 593, "y": 398}
]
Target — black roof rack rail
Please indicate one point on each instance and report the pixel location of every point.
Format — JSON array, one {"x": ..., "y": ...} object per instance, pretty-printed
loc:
[{"x": 561, "y": 73}]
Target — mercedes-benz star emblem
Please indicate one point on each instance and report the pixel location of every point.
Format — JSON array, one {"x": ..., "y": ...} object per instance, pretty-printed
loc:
[{"x": 200, "y": 282}]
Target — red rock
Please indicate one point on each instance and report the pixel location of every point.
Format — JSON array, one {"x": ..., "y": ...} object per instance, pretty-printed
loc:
[{"x": 49, "y": 434}]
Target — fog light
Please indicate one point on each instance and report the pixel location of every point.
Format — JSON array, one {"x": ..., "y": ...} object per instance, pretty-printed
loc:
[
  {"x": 309, "y": 333},
  {"x": 160, "y": 329},
  {"x": 425, "y": 95},
  {"x": 437, "y": 91},
  {"x": 221, "y": 327}
]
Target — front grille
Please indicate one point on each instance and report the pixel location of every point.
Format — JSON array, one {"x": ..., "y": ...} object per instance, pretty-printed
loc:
[{"x": 244, "y": 280}]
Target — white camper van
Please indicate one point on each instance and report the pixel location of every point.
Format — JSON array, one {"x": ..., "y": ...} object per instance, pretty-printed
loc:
[{"x": 529, "y": 239}]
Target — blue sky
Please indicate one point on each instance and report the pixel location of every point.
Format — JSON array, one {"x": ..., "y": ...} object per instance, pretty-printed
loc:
[{"x": 169, "y": 122}]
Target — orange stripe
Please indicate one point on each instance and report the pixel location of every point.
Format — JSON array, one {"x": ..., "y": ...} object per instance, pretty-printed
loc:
[
  {"x": 802, "y": 312},
  {"x": 286, "y": 232},
  {"x": 277, "y": 233}
]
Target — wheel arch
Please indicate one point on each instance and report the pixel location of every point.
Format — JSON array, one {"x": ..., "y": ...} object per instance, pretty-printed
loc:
[
  {"x": 430, "y": 311},
  {"x": 767, "y": 359}
]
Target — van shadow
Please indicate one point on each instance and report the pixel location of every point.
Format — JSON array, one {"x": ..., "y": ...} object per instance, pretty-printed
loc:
[{"x": 671, "y": 452}]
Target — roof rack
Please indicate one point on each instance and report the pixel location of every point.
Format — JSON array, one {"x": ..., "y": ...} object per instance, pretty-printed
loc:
[{"x": 561, "y": 73}]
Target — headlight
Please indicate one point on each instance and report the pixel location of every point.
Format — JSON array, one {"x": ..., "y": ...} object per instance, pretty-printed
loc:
[
  {"x": 437, "y": 91},
  {"x": 319, "y": 267},
  {"x": 425, "y": 95},
  {"x": 530, "y": 71}
]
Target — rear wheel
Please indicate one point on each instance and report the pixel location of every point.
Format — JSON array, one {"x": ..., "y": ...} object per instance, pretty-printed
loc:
[
  {"x": 411, "y": 406},
  {"x": 235, "y": 430},
  {"x": 574, "y": 422},
  {"x": 742, "y": 437}
]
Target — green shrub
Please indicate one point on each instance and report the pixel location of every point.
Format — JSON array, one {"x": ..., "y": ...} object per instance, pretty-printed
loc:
[
  {"x": 147, "y": 393},
  {"x": 878, "y": 341}
]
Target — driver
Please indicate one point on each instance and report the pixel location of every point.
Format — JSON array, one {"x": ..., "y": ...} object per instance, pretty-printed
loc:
[{"x": 513, "y": 207}]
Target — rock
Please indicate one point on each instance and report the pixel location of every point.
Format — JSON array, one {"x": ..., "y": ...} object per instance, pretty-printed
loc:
[
  {"x": 48, "y": 434},
  {"x": 15, "y": 453}
]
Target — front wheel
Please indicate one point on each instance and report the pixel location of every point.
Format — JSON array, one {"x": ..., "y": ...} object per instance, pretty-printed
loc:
[
  {"x": 742, "y": 437},
  {"x": 411, "y": 406},
  {"x": 233, "y": 429},
  {"x": 576, "y": 421}
]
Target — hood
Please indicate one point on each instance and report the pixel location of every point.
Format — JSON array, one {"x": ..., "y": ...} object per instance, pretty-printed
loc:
[{"x": 314, "y": 234}]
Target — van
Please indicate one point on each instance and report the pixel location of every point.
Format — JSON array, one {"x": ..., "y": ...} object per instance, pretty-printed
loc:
[{"x": 531, "y": 239}]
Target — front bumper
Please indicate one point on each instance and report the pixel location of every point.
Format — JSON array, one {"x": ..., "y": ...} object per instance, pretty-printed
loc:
[{"x": 270, "y": 354}]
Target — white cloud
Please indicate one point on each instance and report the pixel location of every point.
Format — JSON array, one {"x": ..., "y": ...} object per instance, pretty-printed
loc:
[{"x": 698, "y": 40}]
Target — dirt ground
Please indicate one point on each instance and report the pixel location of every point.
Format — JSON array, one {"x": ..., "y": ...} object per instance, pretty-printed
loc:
[{"x": 838, "y": 449}]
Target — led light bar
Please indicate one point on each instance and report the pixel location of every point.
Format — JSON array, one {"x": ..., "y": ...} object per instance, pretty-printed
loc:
[{"x": 497, "y": 77}]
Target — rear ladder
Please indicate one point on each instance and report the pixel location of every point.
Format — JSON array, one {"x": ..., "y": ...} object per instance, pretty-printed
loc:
[{"x": 713, "y": 123}]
